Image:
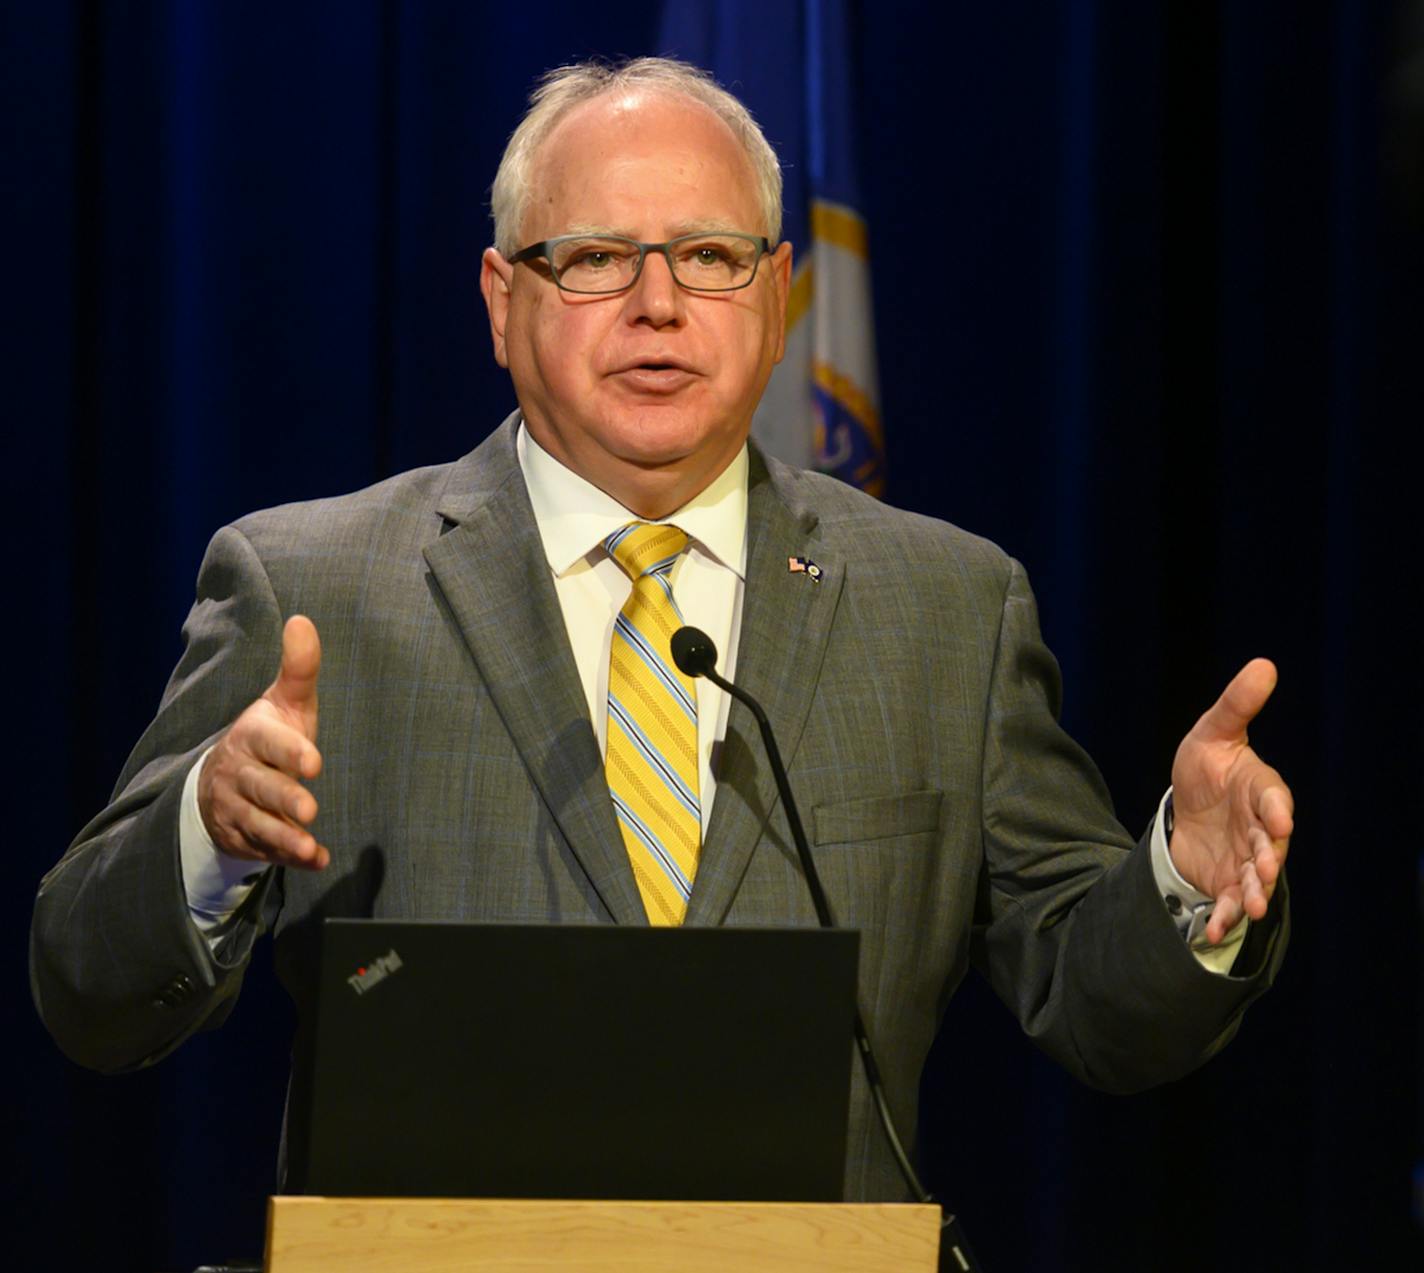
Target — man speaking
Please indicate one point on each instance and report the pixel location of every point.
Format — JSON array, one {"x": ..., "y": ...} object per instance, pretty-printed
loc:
[{"x": 450, "y": 696}]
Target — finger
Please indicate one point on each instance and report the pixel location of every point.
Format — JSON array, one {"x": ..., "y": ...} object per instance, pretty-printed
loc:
[
  {"x": 282, "y": 746},
  {"x": 1253, "y": 892},
  {"x": 273, "y": 791},
  {"x": 1225, "y": 915},
  {"x": 278, "y": 841},
  {"x": 295, "y": 686},
  {"x": 1226, "y": 719},
  {"x": 1267, "y": 857},
  {"x": 1273, "y": 803}
]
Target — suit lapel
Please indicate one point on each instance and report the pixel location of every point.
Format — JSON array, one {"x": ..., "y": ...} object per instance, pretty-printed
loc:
[
  {"x": 491, "y": 570},
  {"x": 786, "y": 622}
]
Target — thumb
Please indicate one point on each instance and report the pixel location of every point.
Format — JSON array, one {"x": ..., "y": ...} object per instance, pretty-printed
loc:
[
  {"x": 295, "y": 686},
  {"x": 1226, "y": 720}
]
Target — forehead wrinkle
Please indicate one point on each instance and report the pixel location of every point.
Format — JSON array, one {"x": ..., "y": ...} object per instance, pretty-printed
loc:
[
  {"x": 699, "y": 225},
  {"x": 704, "y": 225},
  {"x": 598, "y": 230}
]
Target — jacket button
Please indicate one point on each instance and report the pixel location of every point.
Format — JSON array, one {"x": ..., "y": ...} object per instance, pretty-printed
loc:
[{"x": 174, "y": 992}]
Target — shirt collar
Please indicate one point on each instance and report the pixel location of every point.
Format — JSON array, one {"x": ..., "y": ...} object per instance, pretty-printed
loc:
[{"x": 575, "y": 517}]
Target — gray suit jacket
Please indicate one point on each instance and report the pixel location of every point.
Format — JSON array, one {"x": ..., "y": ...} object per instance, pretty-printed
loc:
[{"x": 952, "y": 819}]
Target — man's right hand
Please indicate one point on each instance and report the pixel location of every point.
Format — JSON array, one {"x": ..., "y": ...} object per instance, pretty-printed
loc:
[{"x": 250, "y": 791}]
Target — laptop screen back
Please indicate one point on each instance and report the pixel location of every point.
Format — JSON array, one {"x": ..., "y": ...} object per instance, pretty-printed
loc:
[{"x": 481, "y": 1060}]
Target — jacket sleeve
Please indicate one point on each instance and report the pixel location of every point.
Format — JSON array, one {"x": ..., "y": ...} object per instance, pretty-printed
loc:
[
  {"x": 118, "y": 970},
  {"x": 1070, "y": 927}
]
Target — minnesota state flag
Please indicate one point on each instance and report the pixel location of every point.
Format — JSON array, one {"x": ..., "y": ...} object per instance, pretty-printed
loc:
[{"x": 790, "y": 63}]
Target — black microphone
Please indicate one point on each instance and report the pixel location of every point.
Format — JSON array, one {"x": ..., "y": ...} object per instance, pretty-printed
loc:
[{"x": 696, "y": 655}]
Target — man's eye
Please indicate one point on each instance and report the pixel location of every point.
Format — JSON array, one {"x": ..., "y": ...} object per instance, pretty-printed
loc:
[
  {"x": 595, "y": 256},
  {"x": 705, "y": 254}
]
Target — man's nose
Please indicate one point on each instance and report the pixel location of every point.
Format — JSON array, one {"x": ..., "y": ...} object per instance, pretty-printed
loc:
[{"x": 656, "y": 297}]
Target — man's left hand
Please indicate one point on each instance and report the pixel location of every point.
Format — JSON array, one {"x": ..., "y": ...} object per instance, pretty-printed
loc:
[{"x": 1233, "y": 812}]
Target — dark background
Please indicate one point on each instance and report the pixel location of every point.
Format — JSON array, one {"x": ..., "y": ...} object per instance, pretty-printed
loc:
[{"x": 1147, "y": 279}]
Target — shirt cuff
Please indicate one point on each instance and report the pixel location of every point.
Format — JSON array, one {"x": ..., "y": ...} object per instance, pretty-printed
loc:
[
  {"x": 1189, "y": 907},
  {"x": 216, "y": 883}
]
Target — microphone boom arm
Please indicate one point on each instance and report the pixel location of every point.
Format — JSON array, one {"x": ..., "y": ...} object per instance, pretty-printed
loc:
[
  {"x": 783, "y": 786},
  {"x": 695, "y": 655}
]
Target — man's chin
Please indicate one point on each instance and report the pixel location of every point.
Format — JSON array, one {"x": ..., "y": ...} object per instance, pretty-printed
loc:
[
  {"x": 654, "y": 480},
  {"x": 661, "y": 437},
  {"x": 658, "y": 460}
]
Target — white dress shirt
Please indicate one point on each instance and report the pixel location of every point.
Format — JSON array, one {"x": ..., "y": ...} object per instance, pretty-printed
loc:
[{"x": 574, "y": 517}]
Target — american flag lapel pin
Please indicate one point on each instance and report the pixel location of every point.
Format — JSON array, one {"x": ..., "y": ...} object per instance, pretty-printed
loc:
[{"x": 804, "y": 566}]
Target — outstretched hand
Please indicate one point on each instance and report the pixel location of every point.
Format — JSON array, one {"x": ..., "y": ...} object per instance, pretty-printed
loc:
[
  {"x": 250, "y": 791},
  {"x": 1233, "y": 813}
]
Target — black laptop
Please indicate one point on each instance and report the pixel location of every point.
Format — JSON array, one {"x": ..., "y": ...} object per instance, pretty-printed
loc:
[{"x": 483, "y": 1060}]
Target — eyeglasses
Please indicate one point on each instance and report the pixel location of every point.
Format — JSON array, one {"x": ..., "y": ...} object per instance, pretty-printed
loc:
[{"x": 599, "y": 264}]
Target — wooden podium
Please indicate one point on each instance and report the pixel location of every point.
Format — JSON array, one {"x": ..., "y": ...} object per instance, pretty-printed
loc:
[{"x": 482, "y": 1235}]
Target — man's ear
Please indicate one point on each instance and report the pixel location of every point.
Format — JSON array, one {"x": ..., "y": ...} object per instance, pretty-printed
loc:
[
  {"x": 496, "y": 280},
  {"x": 781, "y": 276}
]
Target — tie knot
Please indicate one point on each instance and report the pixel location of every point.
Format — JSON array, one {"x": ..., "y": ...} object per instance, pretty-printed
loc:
[{"x": 644, "y": 549}]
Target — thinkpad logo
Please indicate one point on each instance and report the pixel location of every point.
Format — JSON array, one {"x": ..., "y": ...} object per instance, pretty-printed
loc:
[{"x": 372, "y": 974}]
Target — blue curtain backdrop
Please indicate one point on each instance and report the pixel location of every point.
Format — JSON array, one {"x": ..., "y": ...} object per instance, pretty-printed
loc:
[{"x": 1146, "y": 286}]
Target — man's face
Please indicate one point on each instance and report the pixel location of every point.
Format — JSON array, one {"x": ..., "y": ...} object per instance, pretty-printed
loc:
[{"x": 647, "y": 393}]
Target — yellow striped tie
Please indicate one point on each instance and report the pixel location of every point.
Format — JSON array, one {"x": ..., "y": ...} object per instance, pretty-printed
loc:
[{"x": 652, "y": 726}]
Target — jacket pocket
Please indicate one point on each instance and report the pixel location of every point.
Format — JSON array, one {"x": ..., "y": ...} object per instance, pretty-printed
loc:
[{"x": 876, "y": 817}]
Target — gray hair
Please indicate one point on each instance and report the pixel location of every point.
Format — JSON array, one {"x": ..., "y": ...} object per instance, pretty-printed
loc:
[{"x": 565, "y": 87}]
